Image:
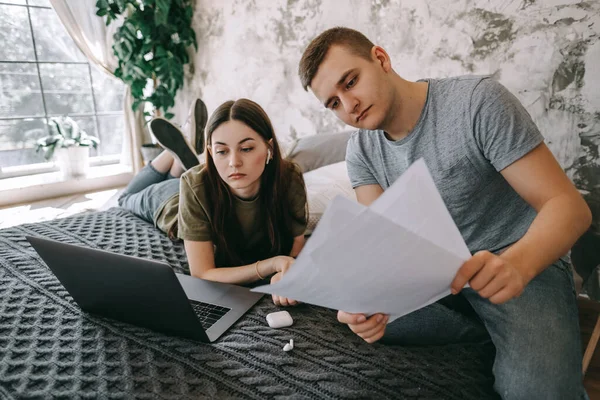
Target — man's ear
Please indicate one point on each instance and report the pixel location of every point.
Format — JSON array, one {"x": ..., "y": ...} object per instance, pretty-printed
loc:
[{"x": 381, "y": 57}]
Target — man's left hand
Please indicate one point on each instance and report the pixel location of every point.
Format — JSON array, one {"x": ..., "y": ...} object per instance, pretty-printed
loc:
[{"x": 493, "y": 277}]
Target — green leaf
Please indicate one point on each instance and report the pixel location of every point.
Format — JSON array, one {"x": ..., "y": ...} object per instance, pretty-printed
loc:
[
  {"x": 114, "y": 9},
  {"x": 128, "y": 30},
  {"x": 160, "y": 51},
  {"x": 103, "y": 4},
  {"x": 68, "y": 127},
  {"x": 122, "y": 4},
  {"x": 160, "y": 18},
  {"x": 163, "y": 6},
  {"x": 49, "y": 153},
  {"x": 57, "y": 127},
  {"x": 169, "y": 115},
  {"x": 122, "y": 49},
  {"x": 95, "y": 141},
  {"x": 43, "y": 142},
  {"x": 89, "y": 141}
]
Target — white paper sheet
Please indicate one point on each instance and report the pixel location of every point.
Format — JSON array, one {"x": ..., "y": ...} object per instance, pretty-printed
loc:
[
  {"x": 414, "y": 202},
  {"x": 396, "y": 256}
]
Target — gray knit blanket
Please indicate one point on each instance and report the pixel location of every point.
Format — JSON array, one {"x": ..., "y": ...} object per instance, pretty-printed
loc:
[{"x": 50, "y": 349}]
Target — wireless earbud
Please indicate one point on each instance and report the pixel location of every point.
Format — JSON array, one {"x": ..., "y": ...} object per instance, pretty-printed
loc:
[{"x": 268, "y": 155}]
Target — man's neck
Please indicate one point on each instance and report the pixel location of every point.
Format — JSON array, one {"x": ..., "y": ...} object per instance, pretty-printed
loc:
[{"x": 405, "y": 113}]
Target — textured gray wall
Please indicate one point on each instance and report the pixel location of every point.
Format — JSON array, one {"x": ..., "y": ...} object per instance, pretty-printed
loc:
[{"x": 547, "y": 52}]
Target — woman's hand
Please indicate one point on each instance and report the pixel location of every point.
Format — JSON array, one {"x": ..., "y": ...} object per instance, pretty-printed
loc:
[{"x": 281, "y": 264}]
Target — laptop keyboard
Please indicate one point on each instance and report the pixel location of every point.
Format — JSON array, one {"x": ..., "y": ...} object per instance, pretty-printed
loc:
[{"x": 207, "y": 313}]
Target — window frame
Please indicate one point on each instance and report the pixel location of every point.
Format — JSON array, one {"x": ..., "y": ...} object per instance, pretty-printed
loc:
[{"x": 44, "y": 167}]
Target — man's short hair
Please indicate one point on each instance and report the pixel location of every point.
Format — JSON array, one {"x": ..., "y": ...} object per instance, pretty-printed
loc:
[{"x": 357, "y": 43}]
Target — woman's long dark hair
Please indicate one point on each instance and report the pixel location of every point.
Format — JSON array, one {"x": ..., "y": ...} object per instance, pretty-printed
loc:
[{"x": 273, "y": 190}]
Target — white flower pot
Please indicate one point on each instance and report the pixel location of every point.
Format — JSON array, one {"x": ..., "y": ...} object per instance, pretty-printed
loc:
[{"x": 73, "y": 162}]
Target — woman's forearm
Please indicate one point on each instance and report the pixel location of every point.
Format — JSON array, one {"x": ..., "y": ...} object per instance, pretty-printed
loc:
[
  {"x": 297, "y": 246},
  {"x": 237, "y": 275}
]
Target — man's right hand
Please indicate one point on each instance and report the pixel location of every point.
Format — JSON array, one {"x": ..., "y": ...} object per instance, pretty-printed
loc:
[{"x": 370, "y": 329}]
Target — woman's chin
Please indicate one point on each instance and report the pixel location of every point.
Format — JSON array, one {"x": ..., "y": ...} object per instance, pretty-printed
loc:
[{"x": 242, "y": 186}]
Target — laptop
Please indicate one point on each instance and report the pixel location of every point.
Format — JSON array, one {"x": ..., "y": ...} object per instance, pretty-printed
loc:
[{"x": 145, "y": 292}]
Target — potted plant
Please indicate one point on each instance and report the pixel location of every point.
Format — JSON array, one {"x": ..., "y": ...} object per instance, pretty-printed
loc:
[
  {"x": 69, "y": 144},
  {"x": 152, "y": 47}
]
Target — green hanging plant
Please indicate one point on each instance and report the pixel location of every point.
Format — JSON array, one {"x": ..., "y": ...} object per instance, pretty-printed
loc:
[{"x": 151, "y": 46}]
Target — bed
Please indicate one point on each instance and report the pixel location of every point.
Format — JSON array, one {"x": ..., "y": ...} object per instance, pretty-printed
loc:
[{"x": 50, "y": 349}]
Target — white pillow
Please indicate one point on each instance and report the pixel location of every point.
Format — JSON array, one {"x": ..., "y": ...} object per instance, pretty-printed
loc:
[
  {"x": 316, "y": 151},
  {"x": 286, "y": 147},
  {"x": 322, "y": 185}
]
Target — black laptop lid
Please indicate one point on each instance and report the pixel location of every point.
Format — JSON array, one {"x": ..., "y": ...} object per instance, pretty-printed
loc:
[{"x": 129, "y": 289}]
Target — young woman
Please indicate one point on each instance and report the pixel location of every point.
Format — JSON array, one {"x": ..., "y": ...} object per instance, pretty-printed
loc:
[{"x": 243, "y": 214}]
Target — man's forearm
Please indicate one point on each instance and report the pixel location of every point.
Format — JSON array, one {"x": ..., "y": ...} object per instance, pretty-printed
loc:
[{"x": 558, "y": 225}]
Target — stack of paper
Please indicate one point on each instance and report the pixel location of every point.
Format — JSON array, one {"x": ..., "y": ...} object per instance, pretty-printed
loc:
[{"x": 394, "y": 257}]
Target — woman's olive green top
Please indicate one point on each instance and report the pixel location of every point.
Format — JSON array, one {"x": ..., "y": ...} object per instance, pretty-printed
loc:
[{"x": 187, "y": 215}]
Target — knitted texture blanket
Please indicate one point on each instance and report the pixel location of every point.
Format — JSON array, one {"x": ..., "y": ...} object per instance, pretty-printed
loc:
[{"x": 51, "y": 349}]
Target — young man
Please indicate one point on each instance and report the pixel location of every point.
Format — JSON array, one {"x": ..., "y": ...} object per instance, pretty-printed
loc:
[{"x": 516, "y": 209}]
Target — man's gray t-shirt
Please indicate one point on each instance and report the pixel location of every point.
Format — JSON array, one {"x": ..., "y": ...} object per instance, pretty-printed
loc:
[{"x": 470, "y": 129}]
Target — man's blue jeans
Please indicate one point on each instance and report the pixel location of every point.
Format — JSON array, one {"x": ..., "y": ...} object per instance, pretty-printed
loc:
[
  {"x": 537, "y": 338},
  {"x": 148, "y": 192}
]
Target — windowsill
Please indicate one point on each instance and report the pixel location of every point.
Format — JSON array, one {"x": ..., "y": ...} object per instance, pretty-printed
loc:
[{"x": 37, "y": 187}]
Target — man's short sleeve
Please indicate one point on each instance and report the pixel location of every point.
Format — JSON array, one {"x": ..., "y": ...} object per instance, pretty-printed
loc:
[
  {"x": 358, "y": 170},
  {"x": 192, "y": 219},
  {"x": 503, "y": 129}
]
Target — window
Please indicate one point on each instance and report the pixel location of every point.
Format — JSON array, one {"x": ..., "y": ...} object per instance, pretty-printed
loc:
[{"x": 43, "y": 74}]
